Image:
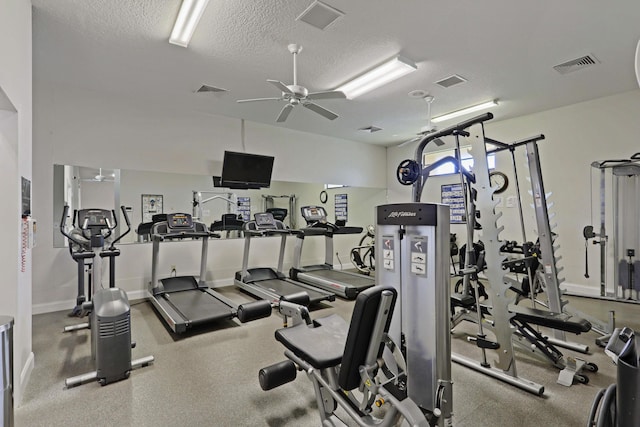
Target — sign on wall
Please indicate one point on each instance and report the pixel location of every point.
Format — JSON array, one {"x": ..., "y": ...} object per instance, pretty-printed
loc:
[
  {"x": 244, "y": 208},
  {"x": 151, "y": 205},
  {"x": 341, "y": 207},
  {"x": 452, "y": 195}
]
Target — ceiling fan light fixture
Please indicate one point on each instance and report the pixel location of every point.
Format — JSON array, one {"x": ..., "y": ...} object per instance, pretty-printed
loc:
[
  {"x": 465, "y": 111},
  {"x": 381, "y": 75},
  {"x": 188, "y": 17}
]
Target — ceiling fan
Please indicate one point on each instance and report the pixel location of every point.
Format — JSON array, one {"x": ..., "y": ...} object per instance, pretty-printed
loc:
[
  {"x": 428, "y": 128},
  {"x": 100, "y": 177},
  {"x": 299, "y": 95}
]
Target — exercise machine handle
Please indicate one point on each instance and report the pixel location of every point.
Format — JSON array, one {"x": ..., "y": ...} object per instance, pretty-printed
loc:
[
  {"x": 450, "y": 131},
  {"x": 63, "y": 222},
  {"x": 126, "y": 220}
]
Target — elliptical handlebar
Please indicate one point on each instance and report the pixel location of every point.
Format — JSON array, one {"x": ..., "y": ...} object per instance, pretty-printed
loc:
[
  {"x": 63, "y": 222},
  {"x": 126, "y": 220}
]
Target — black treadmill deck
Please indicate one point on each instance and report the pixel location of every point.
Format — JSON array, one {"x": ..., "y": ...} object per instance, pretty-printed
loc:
[{"x": 198, "y": 307}]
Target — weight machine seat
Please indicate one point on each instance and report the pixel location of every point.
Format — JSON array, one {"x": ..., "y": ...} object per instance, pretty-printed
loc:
[
  {"x": 558, "y": 321},
  {"x": 462, "y": 300},
  {"x": 331, "y": 341}
]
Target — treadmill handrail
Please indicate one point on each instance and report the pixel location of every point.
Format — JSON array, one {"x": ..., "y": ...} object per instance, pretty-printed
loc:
[
  {"x": 184, "y": 235},
  {"x": 267, "y": 232}
]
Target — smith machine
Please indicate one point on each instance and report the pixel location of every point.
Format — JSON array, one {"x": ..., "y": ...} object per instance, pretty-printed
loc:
[{"x": 510, "y": 323}]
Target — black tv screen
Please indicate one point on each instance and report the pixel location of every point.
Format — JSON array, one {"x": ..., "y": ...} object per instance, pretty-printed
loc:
[{"x": 242, "y": 170}]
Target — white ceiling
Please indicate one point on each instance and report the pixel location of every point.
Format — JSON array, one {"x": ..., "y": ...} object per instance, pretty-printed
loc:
[{"x": 506, "y": 49}]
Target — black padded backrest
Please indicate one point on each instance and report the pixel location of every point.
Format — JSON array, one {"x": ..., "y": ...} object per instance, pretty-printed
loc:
[
  {"x": 361, "y": 328},
  {"x": 158, "y": 218},
  {"x": 278, "y": 213}
]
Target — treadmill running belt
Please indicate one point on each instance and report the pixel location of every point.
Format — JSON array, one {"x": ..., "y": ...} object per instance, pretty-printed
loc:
[
  {"x": 355, "y": 281},
  {"x": 199, "y": 307},
  {"x": 283, "y": 288}
]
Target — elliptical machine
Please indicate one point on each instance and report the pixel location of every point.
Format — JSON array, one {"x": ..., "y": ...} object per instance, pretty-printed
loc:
[{"x": 108, "y": 309}]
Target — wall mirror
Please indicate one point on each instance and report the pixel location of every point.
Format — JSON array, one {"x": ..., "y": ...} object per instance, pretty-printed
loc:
[{"x": 147, "y": 193}]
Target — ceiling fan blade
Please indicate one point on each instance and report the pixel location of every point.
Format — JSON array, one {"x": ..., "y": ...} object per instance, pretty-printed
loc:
[
  {"x": 321, "y": 110},
  {"x": 281, "y": 86},
  {"x": 331, "y": 94},
  {"x": 284, "y": 113},
  {"x": 402, "y": 144},
  {"x": 258, "y": 99}
]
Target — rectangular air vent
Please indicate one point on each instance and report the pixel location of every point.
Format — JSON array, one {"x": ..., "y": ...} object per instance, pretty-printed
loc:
[
  {"x": 207, "y": 88},
  {"x": 451, "y": 81},
  {"x": 370, "y": 129},
  {"x": 320, "y": 15},
  {"x": 576, "y": 64}
]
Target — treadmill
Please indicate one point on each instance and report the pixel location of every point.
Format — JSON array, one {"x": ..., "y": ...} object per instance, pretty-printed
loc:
[
  {"x": 267, "y": 283},
  {"x": 343, "y": 283},
  {"x": 184, "y": 301}
]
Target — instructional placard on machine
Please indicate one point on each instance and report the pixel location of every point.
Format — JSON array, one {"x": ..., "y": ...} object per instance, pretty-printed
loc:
[
  {"x": 419, "y": 255},
  {"x": 388, "y": 252}
]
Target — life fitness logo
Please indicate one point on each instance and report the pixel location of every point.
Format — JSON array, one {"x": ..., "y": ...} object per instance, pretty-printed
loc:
[{"x": 398, "y": 214}]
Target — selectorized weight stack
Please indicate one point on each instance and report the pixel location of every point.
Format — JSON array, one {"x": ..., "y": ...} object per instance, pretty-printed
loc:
[{"x": 412, "y": 247}]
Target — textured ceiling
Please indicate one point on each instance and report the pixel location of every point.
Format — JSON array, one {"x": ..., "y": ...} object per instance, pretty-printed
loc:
[{"x": 506, "y": 49}]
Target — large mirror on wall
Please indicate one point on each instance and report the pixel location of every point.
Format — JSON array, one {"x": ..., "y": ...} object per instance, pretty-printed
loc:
[{"x": 151, "y": 194}]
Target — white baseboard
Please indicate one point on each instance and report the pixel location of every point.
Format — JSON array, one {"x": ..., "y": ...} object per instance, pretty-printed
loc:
[
  {"x": 50, "y": 307},
  {"x": 25, "y": 376},
  {"x": 580, "y": 290}
]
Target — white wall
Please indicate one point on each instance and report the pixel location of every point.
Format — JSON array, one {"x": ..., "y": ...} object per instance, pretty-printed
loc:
[
  {"x": 576, "y": 135},
  {"x": 94, "y": 129},
  {"x": 15, "y": 161}
]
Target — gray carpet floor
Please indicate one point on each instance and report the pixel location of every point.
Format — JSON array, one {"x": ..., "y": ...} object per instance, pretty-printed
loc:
[{"x": 209, "y": 377}]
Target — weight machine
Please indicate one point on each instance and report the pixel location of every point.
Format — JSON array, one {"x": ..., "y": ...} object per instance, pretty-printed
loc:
[
  {"x": 622, "y": 176},
  {"x": 506, "y": 317},
  {"x": 269, "y": 206}
]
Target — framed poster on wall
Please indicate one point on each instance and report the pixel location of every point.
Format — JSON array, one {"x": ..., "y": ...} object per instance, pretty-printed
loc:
[
  {"x": 151, "y": 205},
  {"x": 452, "y": 195}
]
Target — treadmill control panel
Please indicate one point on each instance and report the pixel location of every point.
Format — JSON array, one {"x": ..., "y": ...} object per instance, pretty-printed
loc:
[
  {"x": 313, "y": 214},
  {"x": 265, "y": 221},
  {"x": 179, "y": 221}
]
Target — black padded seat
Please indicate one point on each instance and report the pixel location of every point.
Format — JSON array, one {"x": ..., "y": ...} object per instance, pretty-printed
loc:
[
  {"x": 333, "y": 341},
  {"x": 558, "y": 321},
  {"x": 321, "y": 346},
  {"x": 462, "y": 300}
]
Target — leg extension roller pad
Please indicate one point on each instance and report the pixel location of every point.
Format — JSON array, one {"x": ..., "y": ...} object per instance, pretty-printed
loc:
[
  {"x": 254, "y": 310},
  {"x": 276, "y": 375}
]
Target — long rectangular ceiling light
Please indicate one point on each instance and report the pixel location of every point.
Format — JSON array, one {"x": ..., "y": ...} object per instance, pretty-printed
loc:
[
  {"x": 464, "y": 111},
  {"x": 379, "y": 76},
  {"x": 187, "y": 21}
]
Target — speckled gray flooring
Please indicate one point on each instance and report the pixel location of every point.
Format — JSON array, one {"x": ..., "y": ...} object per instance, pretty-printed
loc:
[{"x": 209, "y": 378}]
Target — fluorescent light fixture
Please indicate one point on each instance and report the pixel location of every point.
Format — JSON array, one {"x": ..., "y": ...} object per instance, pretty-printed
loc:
[
  {"x": 465, "y": 111},
  {"x": 379, "y": 76},
  {"x": 186, "y": 22}
]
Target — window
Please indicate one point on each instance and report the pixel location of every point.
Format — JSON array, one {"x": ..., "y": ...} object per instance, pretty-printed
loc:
[{"x": 450, "y": 168}]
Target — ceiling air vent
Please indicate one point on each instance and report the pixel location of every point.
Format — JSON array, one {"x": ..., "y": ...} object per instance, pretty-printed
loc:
[
  {"x": 576, "y": 64},
  {"x": 370, "y": 129},
  {"x": 451, "y": 81},
  {"x": 320, "y": 15},
  {"x": 207, "y": 88}
]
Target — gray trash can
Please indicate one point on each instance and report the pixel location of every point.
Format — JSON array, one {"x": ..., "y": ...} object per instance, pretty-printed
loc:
[{"x": 6, "y": 370}]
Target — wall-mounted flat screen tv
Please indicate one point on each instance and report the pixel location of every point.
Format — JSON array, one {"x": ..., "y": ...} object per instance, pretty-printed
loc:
[{"x": 245, "y": 171}]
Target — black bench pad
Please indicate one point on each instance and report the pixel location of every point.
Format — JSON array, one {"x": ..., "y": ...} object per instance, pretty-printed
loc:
[
  {"x": 560, "y": 321},
  {"x": 322, "y": 346},
  {"x": 462, "y": 300}
]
